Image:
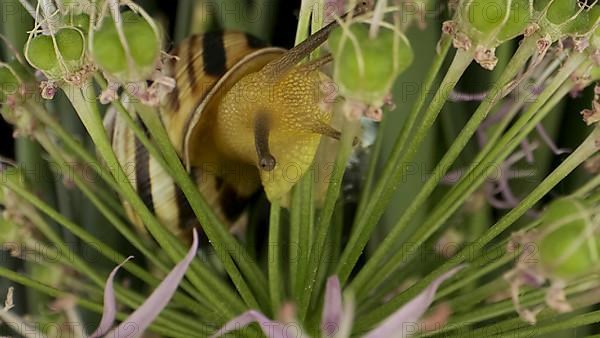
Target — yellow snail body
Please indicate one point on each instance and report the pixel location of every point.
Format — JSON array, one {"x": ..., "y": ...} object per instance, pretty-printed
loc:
[{"x": 240, "y": 116}]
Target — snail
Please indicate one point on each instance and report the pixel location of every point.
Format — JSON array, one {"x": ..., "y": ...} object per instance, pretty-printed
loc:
[{"x": 241, "y": 116}]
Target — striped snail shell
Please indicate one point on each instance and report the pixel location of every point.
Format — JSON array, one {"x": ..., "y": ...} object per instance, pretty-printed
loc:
[{"x": 241, "y": 115}]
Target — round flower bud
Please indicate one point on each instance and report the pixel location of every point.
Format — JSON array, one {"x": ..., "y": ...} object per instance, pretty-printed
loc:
[
  {"x": 586, "y": 21},
  {"x": 365, "y": 68},
  {"x": 143, "y": 44},
  {"x": 568, "y": 245}
]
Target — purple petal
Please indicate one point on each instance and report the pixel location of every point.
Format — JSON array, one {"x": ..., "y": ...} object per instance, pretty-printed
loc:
[
  {"x": 548, "y": 140},
  {"x": 141, "y": 318},
  {"x": 270, "y": 328},
  {"x": 527, "y": 151},
  {"x": 109, "y": 309},
  {"x": 407, "y": 316},
  {"x": 456, "y": 96},
  {"x": 332, "y": 309}
]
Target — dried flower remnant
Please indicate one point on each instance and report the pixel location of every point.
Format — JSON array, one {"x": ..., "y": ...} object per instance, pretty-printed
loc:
[
  {"x": 591, "y": 116},
  {"x": 338, "y": 314},
  {"x": 566, "y": 246}
]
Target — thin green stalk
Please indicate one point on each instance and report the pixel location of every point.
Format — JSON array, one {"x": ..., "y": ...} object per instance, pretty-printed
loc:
[
  {"x": 367, "y": 186},
  {"x": 582, "y": 153},
  {"x": 555, "y": 325},
  {"x": 222, "y": 241},
  {"x": 185, "y": 11},
  {"x": 413, "y": 116},
  {"x": 472, "y": 179},
  {"x": 100, "y": 246},
  {"x": 294, "y": 240},
  {"x": 274, "y": 257},
  {"x": 92, "y": 306},
  {"x": 498, "y": 310},
  {"x": 88, "y": 112},
  {"x": 306, "y": 217},
  {"x": 126, "y": 296},
  {"x": 484, "y": 263},
  {"x": 302, "y": 29},
  {"x": 78, "y": 149},
  {"x": 393, "y": 171},
  {"x": 587, "y": 188},
  {"x": 65, "y": 169},
  {"x": 156, "y": 127},
  {"x": 359, "y": 284},
  {"x": 317, "y": 260}
]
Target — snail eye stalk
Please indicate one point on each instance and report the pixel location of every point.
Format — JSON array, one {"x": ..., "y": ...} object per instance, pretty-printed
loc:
[{"x": 262, "y": 127}]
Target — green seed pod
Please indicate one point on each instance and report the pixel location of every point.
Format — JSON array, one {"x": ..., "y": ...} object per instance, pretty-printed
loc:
[
  {"x": 70, "y": 44},
  {"x": 518, "y": 19},
  {"x": 82, "y": 22},
  {"x": 481, "y": 26},
  {"x": 568, "y": 245},
  {"x": 143, "y": 43},
  {"x": 486, "y": 16},
  {"x": 560, "y": 18},
  {"x": 561, "y": 11},
  {"x": 41, "y": 54},
  {"x": 541, "y": 5},
  {"x": 366, "y": 68},
  {"x": 586, "y": 21}
]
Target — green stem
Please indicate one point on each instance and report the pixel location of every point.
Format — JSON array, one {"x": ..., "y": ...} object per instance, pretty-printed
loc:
[
  {"x": 302, "y": 29},
  {"x": 394, "y": 170},
  {"x": 306, "y": 217},
  {"x": 222, "y": 241},
  {"x": 274, "y": 257},
  {"x": 367, "y": 186},
  {"x": 99, "y": 246},
  {"x": 555, "y": 325},
  {"x": 294, "y": 252},
  {"x": 78, "y": 149},
  {"x": 88, "y": 113},
  {"x": 582, "y": 153},
  {"x": 359, "y": 284},
  {"x": 125, "y": 295},
  {"x": 53, "y": 292},
  {"x": 177, "y": 171},
  {"x": 185, "y": 11},
  {"x": 474, "y": 177},
  {"x": 317, "y": 260}
]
